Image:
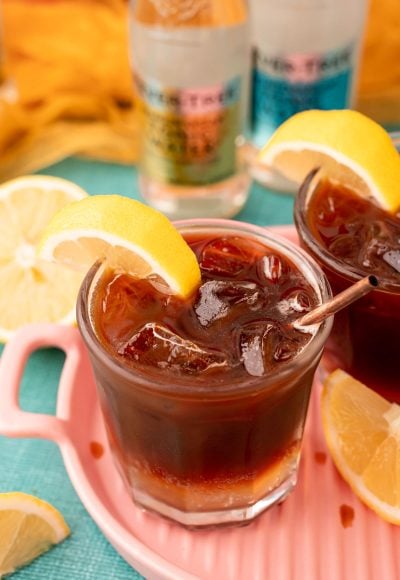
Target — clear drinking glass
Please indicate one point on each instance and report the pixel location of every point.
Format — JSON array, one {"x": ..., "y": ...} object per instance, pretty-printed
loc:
[
  {"x": 365, "y": 337},
  {"x": 166, "y": 434}
]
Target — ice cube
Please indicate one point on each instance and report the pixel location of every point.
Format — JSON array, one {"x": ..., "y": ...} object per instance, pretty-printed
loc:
[
  {"x": 273, "y": 268},
  {"x": 295, "y": 301},
  {"x": 393, "y": 259},
  {"x": 289, "y": 346},
  {"x": 159, "y": 284},
  {"x": 380, "y": 229},
  {"x": 126, "y": 299},
  {"x": 253, "y": 340},
  {"x": 217, "y": 298},
  {"x": 377, "y": 241},
  {"x": 252, "y": 355},
  {"x": 158, "y": 346},
  {"x": 227, "y": 256},
  {"x": 285, "y": 350},
  {"x": 344, "y": 246},
  {"x": 265, "y": 343},
  {"x": 209, "y": 306}
]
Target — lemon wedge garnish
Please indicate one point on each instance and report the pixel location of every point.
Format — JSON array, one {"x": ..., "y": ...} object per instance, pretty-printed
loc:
[
  {"x": 362, "y": 431},
  {"x": 29, "y": 527},
  {"x": 130, "y": 235},
  {"x": 32, "y": 290},
  {"x": 350, "y": 147}
]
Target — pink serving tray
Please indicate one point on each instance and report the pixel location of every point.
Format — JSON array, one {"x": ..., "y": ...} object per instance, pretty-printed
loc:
[{"x": 302, "y": 539}]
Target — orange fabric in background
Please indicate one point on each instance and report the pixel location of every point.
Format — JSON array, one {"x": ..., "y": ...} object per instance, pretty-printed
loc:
[
  {"x": 70, "y": 85},
  {"x": 69, "y": 47}
]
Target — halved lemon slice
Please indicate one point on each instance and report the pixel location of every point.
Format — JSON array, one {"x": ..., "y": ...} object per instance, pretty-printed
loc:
[
  {"x": 32, "y": 290},
  {"x": 362, "y": 431},
  {"x": 129, "y": 234},
  {"x": 29, "y": 527},
  {"x": 348, "y": 146}
]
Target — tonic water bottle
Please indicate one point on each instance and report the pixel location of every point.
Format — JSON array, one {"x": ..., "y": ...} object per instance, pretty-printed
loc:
[
  {"x": 306, "y": 55},
  {"x": 191, "y": 64}
]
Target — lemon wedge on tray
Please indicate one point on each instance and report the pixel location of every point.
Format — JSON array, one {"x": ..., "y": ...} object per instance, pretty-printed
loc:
[
  {"x": 130, "y": 235},
  {"x": 362, "y": 431},
  {"x": 350, "y": 147},
  {"x": 33, "y": 290},
  {"x": 29, "y": 527}
]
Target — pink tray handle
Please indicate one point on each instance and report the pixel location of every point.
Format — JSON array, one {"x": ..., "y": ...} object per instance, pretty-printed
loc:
[{"x": 15, "y": 422}]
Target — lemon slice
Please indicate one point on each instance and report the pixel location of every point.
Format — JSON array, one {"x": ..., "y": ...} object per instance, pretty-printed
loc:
[
  {"x": 362, "y": 430},
  {"x": 350, "y": 147},
  {"x": 129, "y": 234},
  {"x": 32, "y": 290},
  {"x": 29, "y": 527}
]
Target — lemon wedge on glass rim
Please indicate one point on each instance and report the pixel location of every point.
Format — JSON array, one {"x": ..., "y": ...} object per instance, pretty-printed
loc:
[
  {"x": 350, "y": 148},
  {"x": 362, "y": 431},
  {"x": 128, "y": 234},
  {"x": 33, "y": 290},
  {"x": 29, "y": 526}
]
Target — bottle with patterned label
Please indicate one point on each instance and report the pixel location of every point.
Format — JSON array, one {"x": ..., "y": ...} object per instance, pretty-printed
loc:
[
  {"x": 306, "y": 56},
  {"x": 191, "y": 61}
]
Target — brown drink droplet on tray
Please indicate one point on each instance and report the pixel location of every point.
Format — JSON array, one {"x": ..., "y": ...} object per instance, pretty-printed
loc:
[
  {"x": 346, "y": 515},
  {"x": 96, "y": 449},
  {"x": 320, "y": 457}
]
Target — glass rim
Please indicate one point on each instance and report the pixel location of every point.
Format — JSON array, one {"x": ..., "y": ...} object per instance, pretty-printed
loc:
[
  {"x": 185, "y": 385},
  {"x": 346, "y": 271}
]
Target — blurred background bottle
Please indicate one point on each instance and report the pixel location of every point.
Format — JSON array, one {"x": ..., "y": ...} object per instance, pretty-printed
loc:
[
  {"x": 306, "y": 56},
  {"x": 191, "y": 61}
]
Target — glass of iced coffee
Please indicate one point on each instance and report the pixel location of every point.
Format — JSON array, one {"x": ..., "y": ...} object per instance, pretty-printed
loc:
[
  {"x": 204, "y": 399},
  {"x": 350, "y": 236}
]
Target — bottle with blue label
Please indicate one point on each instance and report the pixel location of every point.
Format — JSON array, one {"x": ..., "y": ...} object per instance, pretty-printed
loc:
[
  {"x": 305, "y": 56},
  {"x": 191, "y": 67}
]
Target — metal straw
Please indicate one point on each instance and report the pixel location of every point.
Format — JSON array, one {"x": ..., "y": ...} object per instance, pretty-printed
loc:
[{"x": 339, "y": 301}]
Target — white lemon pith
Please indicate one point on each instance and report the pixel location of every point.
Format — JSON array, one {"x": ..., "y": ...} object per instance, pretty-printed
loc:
[
  {"x": 127, "y": 233},
  {"x": 350, "y": 148},
  {"x": 33, "y": 290},
  {"x": 362, "y": 431},
  {"x": 29, "y": 527}
]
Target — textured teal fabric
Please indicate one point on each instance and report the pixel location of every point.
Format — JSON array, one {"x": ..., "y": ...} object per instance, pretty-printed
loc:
[{"x": 36, "y": 466}]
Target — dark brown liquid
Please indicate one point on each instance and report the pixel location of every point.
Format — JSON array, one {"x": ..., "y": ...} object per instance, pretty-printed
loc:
[
  {"x": 236, "y": 325},
  {"x": 365, "y": 339},
  {"x": 356, "y": 231},
  {"x": 234, "y": 330}
]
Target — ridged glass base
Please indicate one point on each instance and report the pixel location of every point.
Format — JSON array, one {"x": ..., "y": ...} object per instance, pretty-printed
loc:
[{"x": 227, "y": 516}]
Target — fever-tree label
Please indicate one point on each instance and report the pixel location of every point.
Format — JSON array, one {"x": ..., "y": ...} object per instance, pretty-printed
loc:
[{"x": 189, "y": 134}]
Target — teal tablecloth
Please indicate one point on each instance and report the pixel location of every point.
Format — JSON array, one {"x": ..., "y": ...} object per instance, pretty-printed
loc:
[{"x": 35, "y": 466}]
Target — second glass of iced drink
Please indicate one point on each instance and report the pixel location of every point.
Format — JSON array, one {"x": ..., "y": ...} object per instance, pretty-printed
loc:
[
  {"x": 350, "y": 237},
  {"x": 205, "y": 399}
]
